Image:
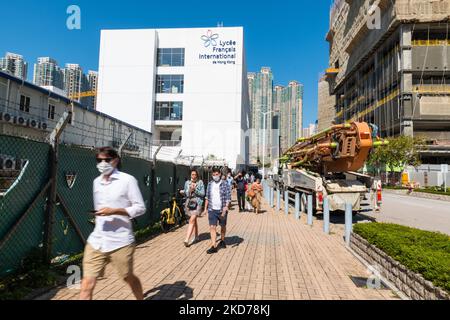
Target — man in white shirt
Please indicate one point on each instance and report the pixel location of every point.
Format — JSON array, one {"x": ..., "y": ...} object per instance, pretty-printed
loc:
[{"x": 117, "y": 199}]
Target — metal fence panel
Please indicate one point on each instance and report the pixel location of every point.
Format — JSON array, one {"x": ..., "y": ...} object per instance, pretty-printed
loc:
[
  {"x": 164, "y": 184},
  {"x": 25, "y": 182},
  {"x": 142, "y": 170},
  {"x": 24, "y": 177}
]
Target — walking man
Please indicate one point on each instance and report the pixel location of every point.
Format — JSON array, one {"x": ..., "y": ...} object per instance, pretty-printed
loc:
[
  {"x": 240, "y": 188},
  {"x": 230, "y": 180},
  {"x": 218, "y": 197},
  {"x": 117, "y": 199}
]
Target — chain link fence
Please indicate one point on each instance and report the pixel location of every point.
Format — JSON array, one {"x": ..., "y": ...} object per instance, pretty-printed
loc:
[
  {"x": 25, "y": 196},
  {"x": 24, "y": 185}
]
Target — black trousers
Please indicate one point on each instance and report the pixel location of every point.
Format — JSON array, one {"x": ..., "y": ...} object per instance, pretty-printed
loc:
[{"x": 241, "y": 199}]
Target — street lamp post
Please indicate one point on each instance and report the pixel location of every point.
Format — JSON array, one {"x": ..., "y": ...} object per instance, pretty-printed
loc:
[{"x": 264, "y": 143}]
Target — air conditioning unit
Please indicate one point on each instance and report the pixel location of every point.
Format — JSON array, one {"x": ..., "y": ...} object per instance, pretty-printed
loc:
[
  {"x": 43, "y": 125},
  {"x": 20, "y": 164},
  {"x": 33, "y": 123},
  {"x": 5, "y": 117},
  {"x": 20, "y": 120},
  {"x": 7, "y": 163}
]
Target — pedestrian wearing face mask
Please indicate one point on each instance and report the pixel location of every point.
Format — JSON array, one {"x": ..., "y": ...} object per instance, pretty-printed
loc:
[
  {"x": 241, "y": 185},
  {"x": 117, "y": 199},
  {"x": 218, "y": 197}
]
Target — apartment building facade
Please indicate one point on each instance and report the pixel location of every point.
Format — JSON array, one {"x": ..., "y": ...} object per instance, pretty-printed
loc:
[{"x": 15, "y": 65}]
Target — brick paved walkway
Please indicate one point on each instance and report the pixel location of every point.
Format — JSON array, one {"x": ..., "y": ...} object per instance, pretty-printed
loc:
[{"x": 269, "y": 256}]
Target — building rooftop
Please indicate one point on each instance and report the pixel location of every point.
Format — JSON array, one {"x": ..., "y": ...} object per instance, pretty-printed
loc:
[{"x": 54, "y": 95}]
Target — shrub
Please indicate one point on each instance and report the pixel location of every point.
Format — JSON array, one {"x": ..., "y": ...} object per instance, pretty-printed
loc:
[{"x": 424, "y": 252}]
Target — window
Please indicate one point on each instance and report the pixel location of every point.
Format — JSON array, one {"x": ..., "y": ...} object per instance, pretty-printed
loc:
[
  {"x": 51, "y": 112},
  {"x": 171, "y": 83},
  {"x": 24, "y": 103},
  {"x": 171, "y": 57},
  {"x": 169, "y": 111},
  {"x": 165, "y": 136}
]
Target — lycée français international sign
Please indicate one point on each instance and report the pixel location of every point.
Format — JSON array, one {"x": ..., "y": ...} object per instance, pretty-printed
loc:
[{"x": 217, "y": 50}]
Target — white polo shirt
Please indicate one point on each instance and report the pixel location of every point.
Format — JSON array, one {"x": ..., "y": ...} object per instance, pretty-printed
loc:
[{"x": 121, "y": 191}]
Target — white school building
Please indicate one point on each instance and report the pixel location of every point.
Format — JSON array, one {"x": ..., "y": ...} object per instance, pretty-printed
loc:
[{"x": 186, "y": 86}]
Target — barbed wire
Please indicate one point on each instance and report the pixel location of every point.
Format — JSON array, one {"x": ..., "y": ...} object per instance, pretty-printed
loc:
[{"x": 117, "y": 130}]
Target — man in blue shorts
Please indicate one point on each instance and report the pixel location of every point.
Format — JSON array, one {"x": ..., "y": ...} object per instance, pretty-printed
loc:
[{"x": 218, "y": 197}]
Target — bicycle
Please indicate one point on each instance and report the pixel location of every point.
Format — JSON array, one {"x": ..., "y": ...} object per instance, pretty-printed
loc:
[{"x": 173, "y": 215}]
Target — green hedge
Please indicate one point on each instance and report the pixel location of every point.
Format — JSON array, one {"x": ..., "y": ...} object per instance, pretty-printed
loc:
[
  {"x": 432, "y": 190},
  {"x": 424, "y": 252}
]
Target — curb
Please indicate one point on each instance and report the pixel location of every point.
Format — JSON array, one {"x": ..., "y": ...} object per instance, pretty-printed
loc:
[
  {"x": 386, "y": 282},
  {"x": 411, "y": 284},
  {"x": 420, "y": 195}
]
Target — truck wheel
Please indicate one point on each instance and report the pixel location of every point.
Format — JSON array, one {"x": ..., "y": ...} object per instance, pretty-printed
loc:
[{"x": 304, "y": 203}]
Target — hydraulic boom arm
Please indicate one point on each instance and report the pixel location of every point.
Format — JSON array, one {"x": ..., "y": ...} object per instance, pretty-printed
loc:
[{"x": 340, "y": 148}]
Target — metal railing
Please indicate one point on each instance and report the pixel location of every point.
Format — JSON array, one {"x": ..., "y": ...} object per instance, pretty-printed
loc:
[{"x": 167, "y": 143}]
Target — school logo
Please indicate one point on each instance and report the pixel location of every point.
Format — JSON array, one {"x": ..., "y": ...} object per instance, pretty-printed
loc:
[
  {"x": 147, "y": 180},
  {"x": 210, "y": 39},
  {"x": 71, "y": 177}
]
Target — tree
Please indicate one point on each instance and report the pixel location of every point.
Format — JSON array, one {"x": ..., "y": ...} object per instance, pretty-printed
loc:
[{"x": 401, "y": 151}]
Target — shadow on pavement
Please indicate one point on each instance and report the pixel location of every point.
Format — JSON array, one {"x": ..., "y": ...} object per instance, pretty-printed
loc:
[
  {"x": 338, "y": 217},
  {"x": 204, "y": 236},
  {"x": 175, "y": 291},
  {"x": 233, "y": 241}
]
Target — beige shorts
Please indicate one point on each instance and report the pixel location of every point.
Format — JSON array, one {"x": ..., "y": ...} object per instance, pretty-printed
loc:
[{"x": 94, "y": 261}]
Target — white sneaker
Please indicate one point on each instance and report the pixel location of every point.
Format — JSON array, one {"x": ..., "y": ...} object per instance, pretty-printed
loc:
[{"x": 193, "y": 241}]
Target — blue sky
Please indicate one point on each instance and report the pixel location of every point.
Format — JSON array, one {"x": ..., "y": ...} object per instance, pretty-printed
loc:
[{"x": 288, "y": 36}]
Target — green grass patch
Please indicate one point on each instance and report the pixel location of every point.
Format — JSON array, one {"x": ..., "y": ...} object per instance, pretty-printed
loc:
[
  {"x": 32, "y": 274},
  {"x": 143, "y": 234},
  {"x": 424, "y": 252}
]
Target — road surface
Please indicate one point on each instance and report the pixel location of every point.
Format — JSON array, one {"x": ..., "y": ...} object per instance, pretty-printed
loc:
[{"x": 425, "y": 214}]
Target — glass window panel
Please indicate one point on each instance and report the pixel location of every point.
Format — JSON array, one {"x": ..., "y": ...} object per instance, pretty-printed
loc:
[
  {"x": 165, "y": 135},
  {"x": 166, "y": 60},
  {"x": 169, "y": 110},
  {"x": 176, "y": 60},
  {"x": 159, "y": 57},
  {"x": 169, "y": 84},
  {"x": 170, "y": 57}
]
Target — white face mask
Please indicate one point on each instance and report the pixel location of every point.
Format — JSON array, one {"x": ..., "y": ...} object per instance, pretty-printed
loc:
[
  {"x": 216, "y": 178},
  {"x": 105, "y": 168}
]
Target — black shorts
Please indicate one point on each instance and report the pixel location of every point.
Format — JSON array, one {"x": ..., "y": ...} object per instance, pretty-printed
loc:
[{"x": 215, "y": 216}]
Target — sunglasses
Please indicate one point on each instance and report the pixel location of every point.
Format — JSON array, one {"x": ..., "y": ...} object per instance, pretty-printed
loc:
[{"x": 108, "y": 160}]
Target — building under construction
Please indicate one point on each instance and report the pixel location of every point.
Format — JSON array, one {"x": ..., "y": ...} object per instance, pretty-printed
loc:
[{"x": 389, "y": 65}]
